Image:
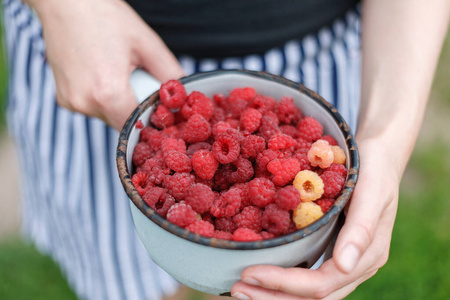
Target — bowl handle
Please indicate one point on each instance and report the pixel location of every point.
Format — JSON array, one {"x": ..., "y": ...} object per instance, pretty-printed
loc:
[{"x": 143, "y": 84}]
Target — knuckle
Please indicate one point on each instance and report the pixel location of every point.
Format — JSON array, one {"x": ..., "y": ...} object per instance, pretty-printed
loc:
[
  {"x": 321, "y": 292},
  {"x": 102, "y": 94},
  {"x": 366, "y": 233}
]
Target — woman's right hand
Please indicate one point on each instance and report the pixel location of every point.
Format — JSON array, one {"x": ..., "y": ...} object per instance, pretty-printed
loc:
[{"x": 92, "y": 47}]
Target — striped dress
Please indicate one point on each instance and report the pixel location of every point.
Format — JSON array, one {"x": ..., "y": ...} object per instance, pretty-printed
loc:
[{"x": 73, "y": 204}]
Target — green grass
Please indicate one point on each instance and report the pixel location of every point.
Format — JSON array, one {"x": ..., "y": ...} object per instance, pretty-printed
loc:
[{"x": 25, "y": 274}]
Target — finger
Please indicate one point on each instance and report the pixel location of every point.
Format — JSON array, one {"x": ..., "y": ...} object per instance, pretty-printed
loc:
[
  {"x": 297, "y": 281},
  {"x": 362, "y": 219},
  {"x": 157, "y": 59},
  {"x": 244, "y": 291},
  {"x": 346, "y": 290}
]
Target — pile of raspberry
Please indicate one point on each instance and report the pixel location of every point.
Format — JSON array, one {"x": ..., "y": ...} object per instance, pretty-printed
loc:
[{"x": 241, "y": 166}]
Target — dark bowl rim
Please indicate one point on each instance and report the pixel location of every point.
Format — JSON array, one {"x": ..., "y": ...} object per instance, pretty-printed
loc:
[{"x": 332, "y": 213}]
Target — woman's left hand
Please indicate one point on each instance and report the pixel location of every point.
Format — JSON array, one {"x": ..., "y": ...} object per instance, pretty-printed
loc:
[{"x": 361, "y": 249}]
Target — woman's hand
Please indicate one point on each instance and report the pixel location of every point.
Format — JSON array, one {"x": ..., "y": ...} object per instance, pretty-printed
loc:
[
  {"x": 361, "y": 249},
  {"x": 92, "y": 47}
]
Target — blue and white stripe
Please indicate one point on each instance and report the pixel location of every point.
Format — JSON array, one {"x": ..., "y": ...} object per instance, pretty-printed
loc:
[{"x": 74, "y": 207}]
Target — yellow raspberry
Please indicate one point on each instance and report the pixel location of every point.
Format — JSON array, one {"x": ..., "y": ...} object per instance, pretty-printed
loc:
[
  {"x": 306, "y": 213},
  {"x": 320, "y": 154},
  {"x": 339, "y": 155},
  {"x": 309, "y": 184}
]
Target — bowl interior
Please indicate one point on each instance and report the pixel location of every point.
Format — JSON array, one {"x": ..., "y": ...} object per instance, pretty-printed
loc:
[{"x": 309, "y": 102}]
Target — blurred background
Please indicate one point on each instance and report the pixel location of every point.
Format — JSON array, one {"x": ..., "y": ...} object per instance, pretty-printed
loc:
[{"x": 419, "y": 263}]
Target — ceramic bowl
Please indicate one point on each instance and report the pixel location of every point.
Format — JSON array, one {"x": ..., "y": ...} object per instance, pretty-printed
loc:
[{"x": 211, "y": 265}]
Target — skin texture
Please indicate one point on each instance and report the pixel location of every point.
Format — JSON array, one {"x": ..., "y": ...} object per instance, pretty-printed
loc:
[{"x": 93, "y": 56}]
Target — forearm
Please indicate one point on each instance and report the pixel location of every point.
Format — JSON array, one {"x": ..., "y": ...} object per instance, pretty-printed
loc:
[{"x": 401, "y": 43}]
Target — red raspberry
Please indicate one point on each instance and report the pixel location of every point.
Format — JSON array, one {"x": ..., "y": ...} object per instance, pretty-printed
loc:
[
  {"x": 261, "y": 192},
  {"x": 162, "y": 117},
  {"x": 225, "y": 224},
  {"x": 245, "y": 93},
  {"x": 276, "y": 220},
  {"x": 218, "y": 115},
  {"x": 139, "y": 124},
  {"x": 226, "y": 148},
  {"x": 200, "y": 197},
  {"x": 309, "y": 129},
  {"x": 198, "y": 146},
  {"x": 227, "y": 205},
  {"x": 181, "y": 214},
  {"x": 333, "y": 184},
  {"x": 141, "y": 182},
  {"x": 178, "y": 183},
  {"x": 234, "y": 109},
  {"x": 263, "y": 158},
  {"x": 219, "y": 128},
  {"x": 249, "y": 217},
  {"x": 197, "y": 129},
  {"x": 303, "y": 160},
  {"x": 143, "y": 135},
  {"x": 204, "y": 164},
  {"x": 223, "y": 235},
  {"x": 268, "y": 128},
  {"x": 245, "y": 235},
  {"x": 287, "y": 198},
  {"x": 234, "y": 123},
  {"x": 241, "y": 170},
  {"x": 164, "y": 204},
  {"x": 155, "y": 138},
  {"x": 172, "y": 94},
  {"x": 142, "y": 152},
  {"x": 171, "y": 144},
  {"x": 251, "y": 119},
  {"x": 177, "y": 161},
  {"x": 155, "y": 169},
  {"x": 273, "y": 116},
  {"x": 286, "y": 110},
  {"x": 152, "y": 196},
  {"x": 281, "y": 141},
  {"x": 330, "y": 139},
  {"x": 207, "y": 182},
  {"x": 243, "y": 190},
  {"x": 221, "y": 183},
  {"x": 340, "y": 169},
  {"x": 289, "y": 130},
  {"x": 302, "y": 145},
  {"x": 267, "y": 235},
  {"x": 263, "y": 104},
  {"x": 172, "y": 132},
  {"x": 201, "y": 227},
  {"x": 197, "y": 103},
  {"x": 220, "y": 100},
  {"x": 284, "y": 170},
  {"x": 325, "y": 203},
  {"x": 252, "y": 145}
]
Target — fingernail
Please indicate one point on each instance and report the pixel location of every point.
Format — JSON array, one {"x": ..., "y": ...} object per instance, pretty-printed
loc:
[
  {"x": 251, "y": 280},
  {"x": 240, "y": 296},
  {"x": 349, "y": 258}
]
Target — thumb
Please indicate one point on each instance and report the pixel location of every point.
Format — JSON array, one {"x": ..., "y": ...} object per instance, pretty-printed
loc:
[
  {"x": 157, "y": 59},
  {"x": 359, "y": 228}
]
